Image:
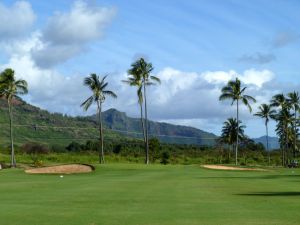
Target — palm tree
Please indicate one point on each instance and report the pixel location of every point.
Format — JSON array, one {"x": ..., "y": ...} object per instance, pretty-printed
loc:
[
  {"x": 284, "y": 119},
  {"x": 135, "y": 79},
  {"x": 233, "y": 91},
  {"x": 230, "y": 132},
  {"x": 143, "y": 70},
  {"x": 294, "y": 101},
  {"x": 98, "y": 87},
  {"x": 284, "y": 130},
  {"x": 279, "y": 100},
  {"x": 10, "y": 88},
  {"x": 266, "y": 112}
]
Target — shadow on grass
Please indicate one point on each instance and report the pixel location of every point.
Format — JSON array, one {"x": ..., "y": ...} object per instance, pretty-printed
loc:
[
  {"x": 252, "y": 177},
  {"x": 266, "y": 194}
]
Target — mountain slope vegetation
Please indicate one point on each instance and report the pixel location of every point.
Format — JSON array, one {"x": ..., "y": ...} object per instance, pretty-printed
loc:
[{"x": 32, "y": 124}]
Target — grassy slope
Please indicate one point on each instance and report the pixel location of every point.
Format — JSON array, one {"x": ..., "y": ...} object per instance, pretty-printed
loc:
[
  {"x": 138, "y": 194},
  {"x": 52, "y": 127}
]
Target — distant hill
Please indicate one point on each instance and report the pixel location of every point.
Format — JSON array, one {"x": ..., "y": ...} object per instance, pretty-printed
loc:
[
  {"x": 273, "y": 142},
  {"x": 35, "y": 124},
  {"x": 116, "y": 120}
]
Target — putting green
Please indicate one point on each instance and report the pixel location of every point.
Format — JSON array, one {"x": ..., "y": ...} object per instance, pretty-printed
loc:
[{"x": 155, "y": 194}]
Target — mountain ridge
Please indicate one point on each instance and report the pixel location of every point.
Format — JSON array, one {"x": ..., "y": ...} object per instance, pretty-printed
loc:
[
  {"x": 27, "y": 118},
  {"x": 273, "y": 142}
]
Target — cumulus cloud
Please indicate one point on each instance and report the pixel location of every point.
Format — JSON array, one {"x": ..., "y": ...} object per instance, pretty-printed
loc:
[
  {"x": 187, "y": 98},
  {"x": 190, "y": 95},
  {"x": 257, "y": 58},
  {"x": 252, "y": 77},
  {"x": 16, "y": 19},
  {"x": 48, "y": 88},
  {"x": 68, "y": 33}
]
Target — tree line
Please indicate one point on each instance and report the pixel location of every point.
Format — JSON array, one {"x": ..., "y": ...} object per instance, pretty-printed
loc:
[{"x": 282, "y": 108}]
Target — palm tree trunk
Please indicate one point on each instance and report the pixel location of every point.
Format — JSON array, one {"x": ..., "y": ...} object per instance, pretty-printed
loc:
[
  {"x": 13, "y": 159},
  {"x": 230, "y": 149},
  {"x": 295, "y": 133},
  {"x": 267, "y": 137},
  {"x": 286, "y": 148},
  {"x": 146, "y": 126},
  {"x": 101, "y": 155},
  {"x": 237, "y": 136},
  {"x": 142, "y": 122}
]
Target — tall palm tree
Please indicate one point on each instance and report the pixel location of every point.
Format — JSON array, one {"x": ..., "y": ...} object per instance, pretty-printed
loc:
[
  {"x": 235, "y": 92},
  {"x": 284, "y": 130},
  {"x": 10, "y": 88},
  {"x": 284, "y": 119},
  {"x": 230, "y": 132},
  {"x": 144, "y": 69},
  {"x": 98, "y": 87},
  {"x": 135, "y": 79},
  {"x": 294, "y": 101},
  {"x": 266, "y": 112}
]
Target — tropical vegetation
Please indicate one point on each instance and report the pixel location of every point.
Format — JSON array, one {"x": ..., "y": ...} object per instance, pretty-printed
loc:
[
  {"x": 99, "y": 89},
  {"x": 139, "y": 75},
  {"x": 10, "y": 88},
  {"x": 236, "y": 93}
]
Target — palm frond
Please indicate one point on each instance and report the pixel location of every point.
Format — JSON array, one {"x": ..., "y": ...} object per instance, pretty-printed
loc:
[
  {"x": 87, "y": 103},
  {"x": 156, "y": 79},
  {"x": 249, "y": 98},
  {"x": 226, "y": 96},
  {"x": 110, "y": 93}
]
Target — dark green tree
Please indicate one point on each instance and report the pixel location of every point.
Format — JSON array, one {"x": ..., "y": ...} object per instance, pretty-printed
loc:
[
  {"x": 154, "y": 148},
  {"x": 231, "y": 129}
]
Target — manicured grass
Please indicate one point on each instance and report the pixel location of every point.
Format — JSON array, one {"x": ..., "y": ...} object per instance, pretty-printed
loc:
[{"x": 155, "y": 194}]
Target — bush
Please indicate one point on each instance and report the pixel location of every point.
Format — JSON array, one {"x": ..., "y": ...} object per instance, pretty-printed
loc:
[
  {"x": 35, "y": 148},
  {"x": 74, "y": 147},
  {"x": 165, "y": 157},
  {"x": 58, "y": 148},
  {"x": 117, "y": 149}
]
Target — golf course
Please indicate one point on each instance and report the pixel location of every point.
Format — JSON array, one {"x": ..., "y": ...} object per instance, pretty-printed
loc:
[{"x": 151, "y": 194}]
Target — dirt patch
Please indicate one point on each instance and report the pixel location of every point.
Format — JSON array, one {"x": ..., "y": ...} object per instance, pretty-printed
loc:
[
  {"x": 220, "y": 167},
  {"x": 62, "y": 169}
]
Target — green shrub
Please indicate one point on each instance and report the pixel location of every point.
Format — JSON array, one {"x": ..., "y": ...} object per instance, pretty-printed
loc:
[
  {"x": 165, "y": 157},
  {"x": 34, "y": 148}
]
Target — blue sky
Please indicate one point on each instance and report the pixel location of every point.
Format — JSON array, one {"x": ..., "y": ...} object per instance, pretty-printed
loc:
[{"x": 193, "y": 45}]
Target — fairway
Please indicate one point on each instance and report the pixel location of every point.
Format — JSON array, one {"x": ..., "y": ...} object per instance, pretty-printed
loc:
[{"x": 137, "y": 194}]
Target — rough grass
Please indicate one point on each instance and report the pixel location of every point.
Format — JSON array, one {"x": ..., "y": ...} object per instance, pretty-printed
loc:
[{"x": 155, "y": 194}]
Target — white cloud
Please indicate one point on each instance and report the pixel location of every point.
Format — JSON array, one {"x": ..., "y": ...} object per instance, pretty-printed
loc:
[
  {"x": 68, "y": 33},
  {"x": 256, "y": 77},
  {"x": 173, "y": 81},
  {"x": 48, "y": 88},
  {"x": 219, "y": 77},
  {"x": 186, "y": 98},
  {"x": 251, "y": 77},
  {"x": 83, "y": 23},
  {"x": 15, "y": 20}
]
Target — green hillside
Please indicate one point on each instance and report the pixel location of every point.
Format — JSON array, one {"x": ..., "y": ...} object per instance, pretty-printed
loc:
[{"x": 32, "y": 124}]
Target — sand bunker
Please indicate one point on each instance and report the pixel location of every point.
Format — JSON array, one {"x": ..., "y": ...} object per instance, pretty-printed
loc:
[
  {"x": 219, "y": 167},
  {"x": 62, "y": 169}
]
